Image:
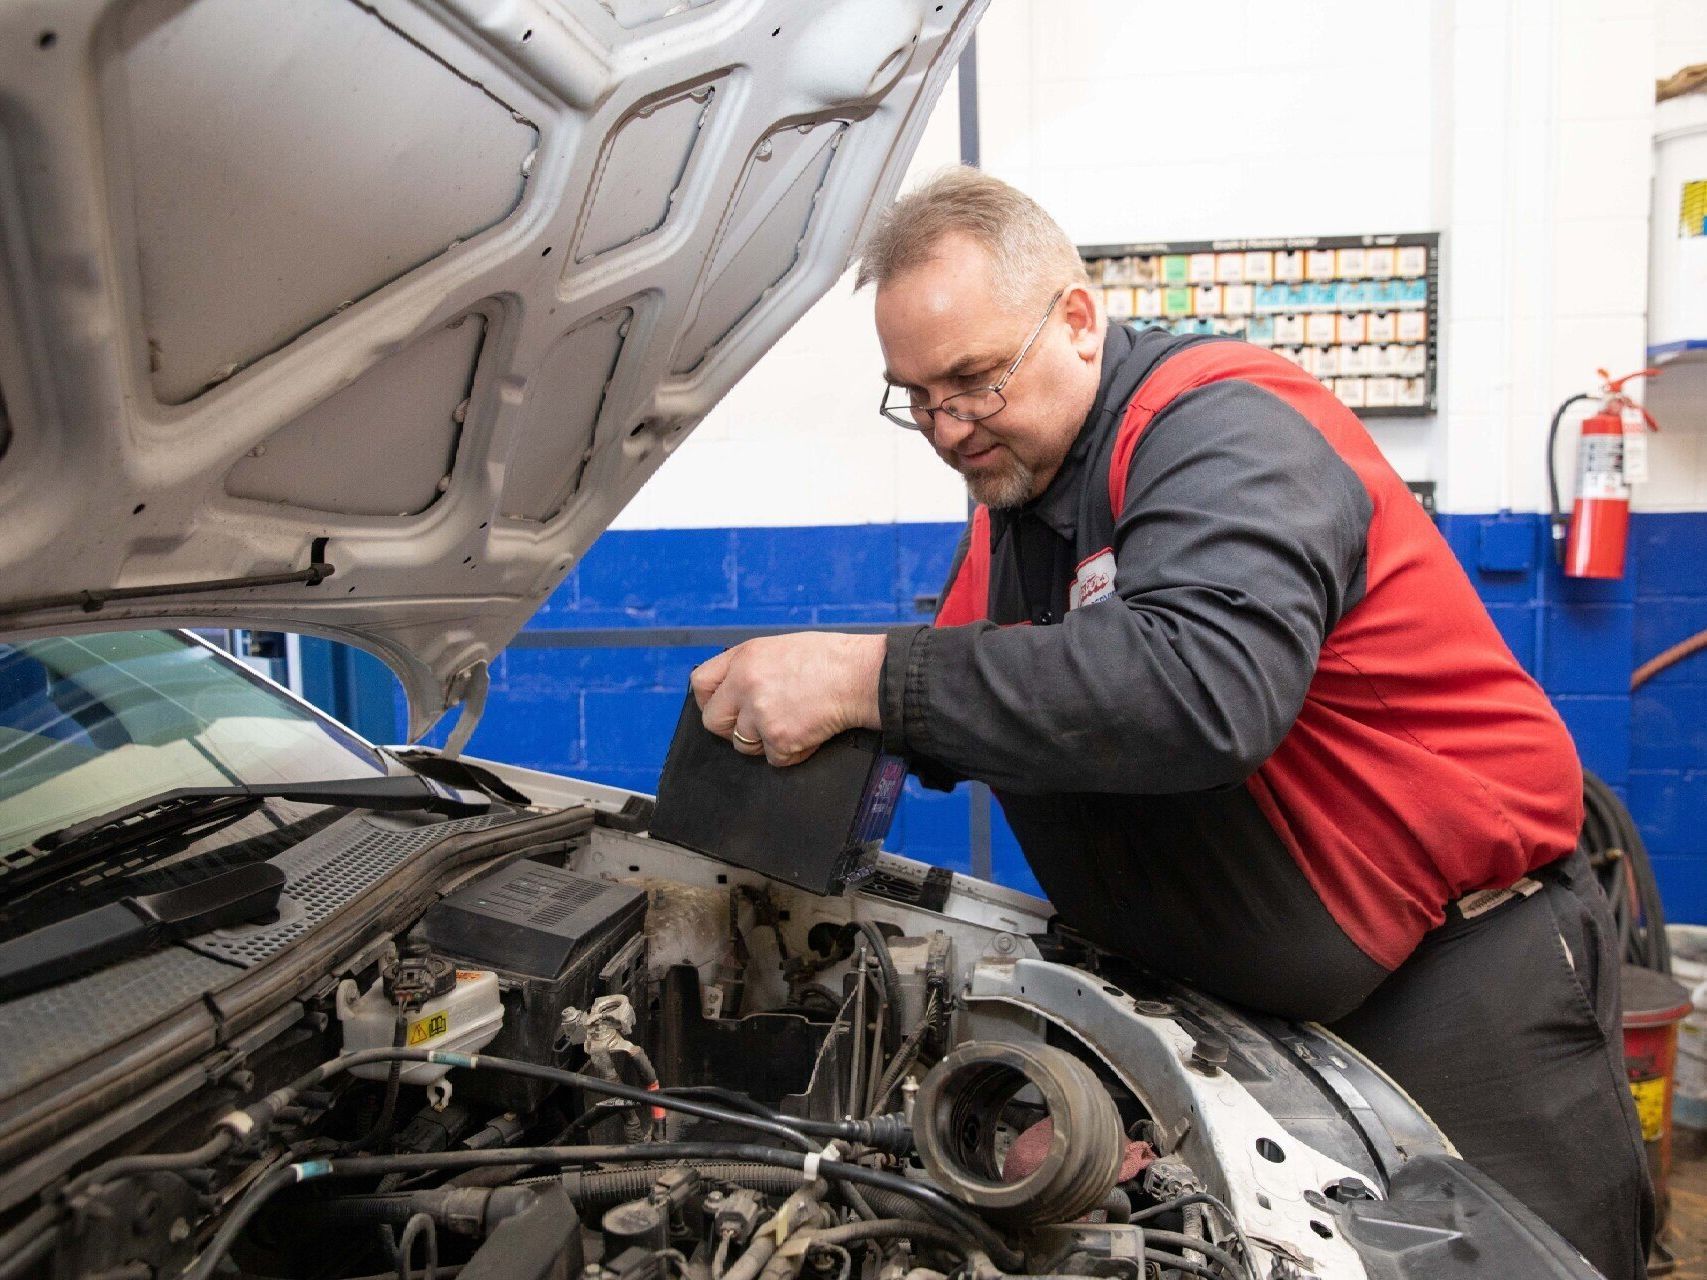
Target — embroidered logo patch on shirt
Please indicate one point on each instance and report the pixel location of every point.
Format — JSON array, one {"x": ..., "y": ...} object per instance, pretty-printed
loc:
[{"x": 1093, "y": 580}]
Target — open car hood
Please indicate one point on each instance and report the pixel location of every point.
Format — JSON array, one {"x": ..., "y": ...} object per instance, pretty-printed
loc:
[{"x": 387, "y": 308}]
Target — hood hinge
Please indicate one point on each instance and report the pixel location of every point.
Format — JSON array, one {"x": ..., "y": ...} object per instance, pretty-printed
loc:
[{"x": 468, "y": 687}]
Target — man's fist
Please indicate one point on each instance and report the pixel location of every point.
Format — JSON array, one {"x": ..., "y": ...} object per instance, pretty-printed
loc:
[{"x": 785, "y": 696}]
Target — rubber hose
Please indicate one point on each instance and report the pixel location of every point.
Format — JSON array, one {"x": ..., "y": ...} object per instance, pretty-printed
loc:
[
  {"x": 1191, "y": 1244},
  {"x": 393, "y": 1082},
  {"x": 1117, "y": 1206},
  {"x": 800, "y": 1203},
  {"x": 1173, "y": 1262},
  {"x": 940, "y": 1206},
  {"x": 1633, "y": 891},
  {"x": 895, "y": 1228},
  {"x": 903, "y": 1059},
  {"x": 592, "y": 1189},
  {"x": 753, "y": 1261},
  {"x": 33, "y": 1238},
  {"x": 589, "y": 1189},
  {"x": 1667, "y": 658},
  {"x": 25, "y": 1258},
  {"x": 891, "y": 979},
  {"x": 1195, "y": 1219},
  {"x": 892, "y": 1204},
  {"x": 1555, "y": 514},
  {"x": 247, "y": 1206},
  {"x": 447, "y": 1207}
]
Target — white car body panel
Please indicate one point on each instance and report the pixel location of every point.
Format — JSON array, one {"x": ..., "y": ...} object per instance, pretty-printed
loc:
[{"x": 423, "y": 291}]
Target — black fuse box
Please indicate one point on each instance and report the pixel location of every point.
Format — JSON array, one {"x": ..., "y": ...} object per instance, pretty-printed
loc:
[
  {"x": 556, "y": 939},
  {"x": 816, "y": 825}
]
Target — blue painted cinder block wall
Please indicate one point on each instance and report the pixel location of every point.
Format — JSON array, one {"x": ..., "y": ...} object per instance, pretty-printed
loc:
[
  {"x": 1668, "y": 715},
  {"x": 607, "y": 713}
]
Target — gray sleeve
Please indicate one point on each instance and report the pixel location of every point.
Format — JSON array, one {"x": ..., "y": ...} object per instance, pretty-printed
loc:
[{"x": 1241, "y": 544}]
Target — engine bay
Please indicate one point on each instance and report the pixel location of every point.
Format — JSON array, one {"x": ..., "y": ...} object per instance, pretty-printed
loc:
[{"x": 612, "y": 1057}]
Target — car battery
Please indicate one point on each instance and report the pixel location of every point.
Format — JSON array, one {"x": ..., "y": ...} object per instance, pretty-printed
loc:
[
  {"x": 817, "y": 825},
  {"x": 557, "y": 940}
]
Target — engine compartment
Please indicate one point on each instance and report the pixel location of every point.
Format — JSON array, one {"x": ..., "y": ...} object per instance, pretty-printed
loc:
[{"x": 615, "y": 1058}]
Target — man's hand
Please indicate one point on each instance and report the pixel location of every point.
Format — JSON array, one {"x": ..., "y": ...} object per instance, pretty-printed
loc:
[{"x": 788, "y": 695}]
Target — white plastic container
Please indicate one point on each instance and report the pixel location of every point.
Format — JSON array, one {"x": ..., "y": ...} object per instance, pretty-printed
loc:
[
  {"x": 463, "y": 1019},
  {"x": 1677, "y": 270},
  {"x": 1689, "y": 966}
]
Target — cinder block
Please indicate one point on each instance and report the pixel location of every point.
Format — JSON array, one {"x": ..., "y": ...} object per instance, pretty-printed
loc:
[
  {"x": 1683, "y": 887},
  {"x": 631, "y": 730},
  {"x": 1508, "y": 545},
  {"x": 1600, "y": 727},
  {"x": 1670, "y": 553},
  {"x": 1606, "y": 67},
  {"x": 883, "y": 614},
  {"x": 1671, "y": 811},
  {"x": 640, "y": 572},
  {"x": 537, "y": 732},
  {"x": 1677, "y": 472},
  {"x": 813, "y": 567},
  {"x": 924, "y": 555},
  {"x": 1662, "y": 623},
  {"x": 1465, "y": 534},
  {"x": 1668, "y": 728},
  {"x": 1586, "y": 648},
  {"x": 1606, "y": 166},
  {"x": 1516, "y": 624},
  {"x": 1618, "y": 247},
  {"x": 1559, "y": 589},
  {"x": 559, "y": 605},
  {"x": 611, "y": 670}
]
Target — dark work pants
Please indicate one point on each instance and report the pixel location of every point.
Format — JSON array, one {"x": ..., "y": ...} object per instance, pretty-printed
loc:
[{"x": 1506, "y": 1029}]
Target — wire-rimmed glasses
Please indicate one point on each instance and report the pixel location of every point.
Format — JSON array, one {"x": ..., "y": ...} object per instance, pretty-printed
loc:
[{"x": 901, "y": 405}]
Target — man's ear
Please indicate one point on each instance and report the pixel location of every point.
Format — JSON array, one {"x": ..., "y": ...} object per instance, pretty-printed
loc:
[{"x": 1085, "y": 323}]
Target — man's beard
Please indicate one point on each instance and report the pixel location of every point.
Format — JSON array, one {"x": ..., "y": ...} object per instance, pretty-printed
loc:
[{"x": 1006, "y": 486}]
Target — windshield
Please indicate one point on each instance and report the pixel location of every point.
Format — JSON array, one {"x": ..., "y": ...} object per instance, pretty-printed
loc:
[{"x": 89, "y": 724}]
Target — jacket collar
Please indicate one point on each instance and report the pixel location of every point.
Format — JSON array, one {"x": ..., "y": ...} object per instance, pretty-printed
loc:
[{"x": 1127, "y": 358}]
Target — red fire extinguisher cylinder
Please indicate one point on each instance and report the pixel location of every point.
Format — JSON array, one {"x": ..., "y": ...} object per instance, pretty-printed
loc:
[{"x": 1600, "y": 517}]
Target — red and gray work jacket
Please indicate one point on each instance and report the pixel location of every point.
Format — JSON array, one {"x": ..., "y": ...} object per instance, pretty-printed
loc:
[{"x": 1259, "y": 732}]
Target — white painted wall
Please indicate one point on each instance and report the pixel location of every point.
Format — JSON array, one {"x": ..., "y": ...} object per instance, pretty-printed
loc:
[
  {"x": 1678, "y": 400},
  {"x": 1521, "y": 129}
]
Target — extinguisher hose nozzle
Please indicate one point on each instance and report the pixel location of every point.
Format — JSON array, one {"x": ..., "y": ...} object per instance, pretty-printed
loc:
[{"x": 1556, "y": 521}]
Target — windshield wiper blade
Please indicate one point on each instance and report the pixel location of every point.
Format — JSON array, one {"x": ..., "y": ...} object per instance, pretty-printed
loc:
[
  {"x": 172, "y": 808},
  {"x": 67, "y": 948}
]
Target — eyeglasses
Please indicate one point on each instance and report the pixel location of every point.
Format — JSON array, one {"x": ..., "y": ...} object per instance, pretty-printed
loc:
[{"x": 901, "y": 404}]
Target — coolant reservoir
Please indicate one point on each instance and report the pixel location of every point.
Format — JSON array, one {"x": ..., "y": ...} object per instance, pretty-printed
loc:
[{"x": 462, "y": 1018}]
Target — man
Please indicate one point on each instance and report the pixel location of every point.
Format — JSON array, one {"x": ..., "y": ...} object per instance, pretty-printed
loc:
[{"x": 1242, "y": 708}]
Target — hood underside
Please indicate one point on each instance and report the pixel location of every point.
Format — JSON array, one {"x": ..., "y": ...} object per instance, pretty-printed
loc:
[{"x": 365, "y": 319}]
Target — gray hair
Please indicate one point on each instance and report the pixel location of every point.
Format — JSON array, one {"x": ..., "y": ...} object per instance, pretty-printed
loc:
[{"x": 1030, "y": 256}]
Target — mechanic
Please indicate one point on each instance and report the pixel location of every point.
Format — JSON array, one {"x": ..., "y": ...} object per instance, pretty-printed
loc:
[{"x": 1242, "y": 708}]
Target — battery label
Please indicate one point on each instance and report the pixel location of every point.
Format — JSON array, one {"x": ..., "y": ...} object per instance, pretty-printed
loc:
[{"x": 428, "y": 1028}]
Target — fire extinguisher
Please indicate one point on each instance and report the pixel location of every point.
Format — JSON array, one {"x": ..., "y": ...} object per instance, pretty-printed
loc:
[{"x": 1591, "y": 544}]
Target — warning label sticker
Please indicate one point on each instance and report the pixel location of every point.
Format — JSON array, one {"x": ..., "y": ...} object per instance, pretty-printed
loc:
[
  {"x": 1650, "y": 1098},
  {"x": 428, "y": 1028}
]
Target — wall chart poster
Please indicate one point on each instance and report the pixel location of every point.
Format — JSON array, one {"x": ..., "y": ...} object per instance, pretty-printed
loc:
[{"x": 1359, "y": 312}]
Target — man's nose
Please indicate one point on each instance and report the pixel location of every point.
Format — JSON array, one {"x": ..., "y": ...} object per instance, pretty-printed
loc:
[{"x": 947, "y": 431}]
